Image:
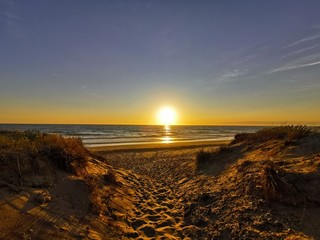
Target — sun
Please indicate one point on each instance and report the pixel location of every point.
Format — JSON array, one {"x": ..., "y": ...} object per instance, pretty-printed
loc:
[{"x": 167, "y": 116}]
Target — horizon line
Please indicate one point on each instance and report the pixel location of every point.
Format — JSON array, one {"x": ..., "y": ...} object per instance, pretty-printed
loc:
[{"x": 137, "y": 124}]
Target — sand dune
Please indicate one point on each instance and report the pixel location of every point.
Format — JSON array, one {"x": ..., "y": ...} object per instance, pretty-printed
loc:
[{"x": 249, "y": 189}]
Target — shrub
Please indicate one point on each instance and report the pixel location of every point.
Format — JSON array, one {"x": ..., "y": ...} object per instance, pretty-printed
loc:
[
  {"x": 96, "y": 202},
  {"x": 203, "y": 157},
  {"x": 289, "y": 187},
  {"x": 68, "y": 154},
  {"x": 288, "y": 133},
  {"x": 110, "y": 177}
]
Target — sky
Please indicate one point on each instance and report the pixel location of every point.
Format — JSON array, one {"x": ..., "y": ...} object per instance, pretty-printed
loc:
[{"x": 249, "y": 62}]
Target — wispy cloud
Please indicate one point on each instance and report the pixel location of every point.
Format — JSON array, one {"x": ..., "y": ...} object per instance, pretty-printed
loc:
[
  {"x": 306, "y": 39},
  {"x": 285, "y": 68},
  {"x": 14, "y": 23},
  {"x": 300, "y": 51},
  {"x": 95, "y": 95},
  {"x": 231, "y": 76},
  {"x": 12, "y": 20},
  {"x": 306, "y": 88},
  {"x": 88, "y": 92},
  {"x": 306, "y": 61}
]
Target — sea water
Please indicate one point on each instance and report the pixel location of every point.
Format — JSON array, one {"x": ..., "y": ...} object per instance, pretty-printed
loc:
[{"x": 111, "y": 135}]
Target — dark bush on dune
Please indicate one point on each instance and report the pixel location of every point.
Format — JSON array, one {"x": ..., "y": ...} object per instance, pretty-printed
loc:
[
  {"x": 68, "y": 154},
  {"x": 110, "y": 177},
  {"x": 289, "y": 187},
  {"x": 204, "y": 156},
  {"x": 288, "y": 133}
]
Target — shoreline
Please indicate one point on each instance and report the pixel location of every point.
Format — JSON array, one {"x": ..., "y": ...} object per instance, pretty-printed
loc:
[{"x": 158, "y": 146}]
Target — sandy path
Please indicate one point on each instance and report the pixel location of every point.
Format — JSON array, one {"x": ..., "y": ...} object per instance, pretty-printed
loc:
[
  {"x": 145, "y": 208},
  {"x": 158, "y": 205},
  {"x": 157, "y": 211}
]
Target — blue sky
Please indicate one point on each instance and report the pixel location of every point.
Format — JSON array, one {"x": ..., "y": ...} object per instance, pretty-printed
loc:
[{"x": 216, "y": 62}]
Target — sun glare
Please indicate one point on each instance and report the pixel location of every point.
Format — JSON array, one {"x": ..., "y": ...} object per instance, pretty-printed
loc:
[{"x": 167, "y": 116}]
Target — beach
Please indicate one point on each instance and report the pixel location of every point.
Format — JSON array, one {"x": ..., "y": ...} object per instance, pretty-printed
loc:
[
  {"x": 156, "y": 174},
  {"x": 157, "y": 146},
  {"x": 159, "y": 120},
  {"x": 259, "y": 186}
]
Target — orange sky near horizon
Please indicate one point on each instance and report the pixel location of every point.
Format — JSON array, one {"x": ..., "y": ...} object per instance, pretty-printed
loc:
[{"x": 185, "y": 116}]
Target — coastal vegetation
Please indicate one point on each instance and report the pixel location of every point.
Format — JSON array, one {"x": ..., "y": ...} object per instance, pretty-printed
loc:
[{"x": 67, "y": 154}]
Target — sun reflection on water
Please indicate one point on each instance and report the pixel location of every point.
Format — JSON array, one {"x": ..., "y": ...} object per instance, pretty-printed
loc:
[
  {"x": 166, "y": 139},
  {"x": 167, "y": 132}
]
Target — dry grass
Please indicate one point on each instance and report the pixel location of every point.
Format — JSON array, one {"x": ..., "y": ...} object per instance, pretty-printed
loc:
[
  {"x": 68, "y": 154},
  {"x": 289, "y": 187},
  {"x": 96, "y": 200},
  {"x": 101, "y": 190},
  {"x": 271, "y": 183},
  {"x": 203, "y": 156},
  {"x": 287, "y": 133}
]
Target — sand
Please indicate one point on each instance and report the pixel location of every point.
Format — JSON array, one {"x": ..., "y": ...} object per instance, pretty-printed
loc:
[
  {"x": 225, "y": 198},
  {"x": 262, "y": 190},
  {"x": 153, "y": 208},
  {"x": 157, "y": 146}
]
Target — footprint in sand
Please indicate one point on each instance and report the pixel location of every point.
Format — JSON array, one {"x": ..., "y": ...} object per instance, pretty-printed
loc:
[
  {"x": 153, "y": 218},
  {"x": 160, "y": 209},
  {"x": 166, "y": 229},
  {"x": 162, "y": 190},
  {"x": 165, "y": 223},
  {"x": 169, "y": 205},
  {"x": 161, "y": 197},
  {"x": 137, "y": 212},
  {"x": 137, "y": 223},
  {"x": 148, "y": 231},
  {"x": 150, "y": 211},
  {"x": 170, "y": 198},
  {"x": 150, "y": 204}
]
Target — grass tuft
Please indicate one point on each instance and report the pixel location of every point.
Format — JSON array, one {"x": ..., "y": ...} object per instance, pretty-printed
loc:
[{"x": 203, "y": 156}]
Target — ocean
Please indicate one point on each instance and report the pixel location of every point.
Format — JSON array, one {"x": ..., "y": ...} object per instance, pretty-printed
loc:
[{"x": 112, "y": 135}]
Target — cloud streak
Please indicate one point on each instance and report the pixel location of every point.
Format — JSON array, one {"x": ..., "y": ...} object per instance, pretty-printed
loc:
[
  {"x": 231, "y": 76},
  {"x": 306, "y": 88},
  {"x": 306, "y": 39},
  {"x": 292, "y": 67},
  {"x": 14, "y": 24},
  {"x": 307, "y": 61},
  {"x": 300, "y": 51}
]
